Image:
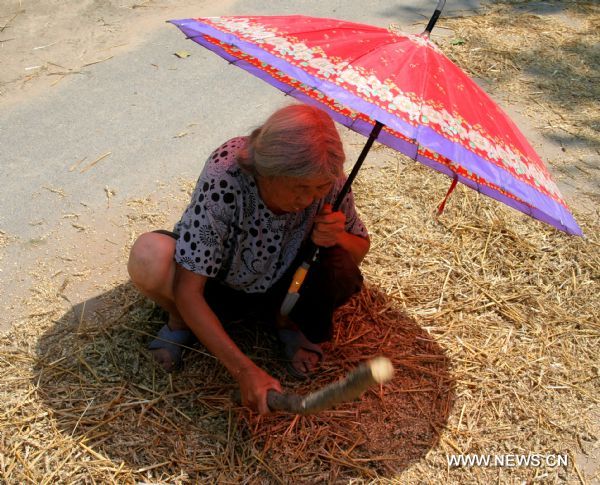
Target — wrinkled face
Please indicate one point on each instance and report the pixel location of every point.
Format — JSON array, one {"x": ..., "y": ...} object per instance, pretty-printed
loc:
[{"x": 292, "y": 194}]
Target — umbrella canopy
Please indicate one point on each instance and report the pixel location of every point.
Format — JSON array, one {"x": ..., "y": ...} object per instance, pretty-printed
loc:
[{"x": 431, "y": 110}]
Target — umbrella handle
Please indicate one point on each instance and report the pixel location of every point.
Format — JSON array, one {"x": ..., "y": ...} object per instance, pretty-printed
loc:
[
  {"x": 434, "y": 17},
  {"x": 293, "y": 295}
]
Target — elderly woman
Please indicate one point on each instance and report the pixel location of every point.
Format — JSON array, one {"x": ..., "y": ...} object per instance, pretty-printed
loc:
[{"x": 258, "y": 200}]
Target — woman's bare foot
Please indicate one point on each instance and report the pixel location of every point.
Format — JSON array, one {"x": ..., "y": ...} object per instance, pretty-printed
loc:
[
  {"x": 304, "y": 356},
  {"x": 168, "y": 346},
  {"x": 305, "y": 361}
]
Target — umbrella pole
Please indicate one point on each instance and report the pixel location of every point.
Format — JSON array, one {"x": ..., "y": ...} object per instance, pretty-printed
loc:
[
  {"x": 361, "y": 158},
  {"x": 434, "y": 17},
  {"x": 312, "y": 251}
]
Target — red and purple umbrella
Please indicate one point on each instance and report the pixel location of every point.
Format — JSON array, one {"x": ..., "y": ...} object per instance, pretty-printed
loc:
[{"x": 367, "y": 76}]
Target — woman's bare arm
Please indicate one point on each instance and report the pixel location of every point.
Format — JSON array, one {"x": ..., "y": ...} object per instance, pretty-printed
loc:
[{"x": 189, "y": 297}]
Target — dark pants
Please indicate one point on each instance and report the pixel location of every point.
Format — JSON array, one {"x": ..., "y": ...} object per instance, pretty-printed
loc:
[{"x": 330, "y": 283}]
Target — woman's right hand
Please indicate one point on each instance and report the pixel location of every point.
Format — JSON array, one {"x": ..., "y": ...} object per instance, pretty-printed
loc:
[
  {"x": 254, "y": 385},
  {"x": 197, "y": 314}
]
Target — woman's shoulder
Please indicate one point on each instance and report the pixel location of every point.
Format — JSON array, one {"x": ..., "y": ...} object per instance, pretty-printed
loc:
[
  {"x": 222, "y": 162},
  {"x": 230, "y": 149}
]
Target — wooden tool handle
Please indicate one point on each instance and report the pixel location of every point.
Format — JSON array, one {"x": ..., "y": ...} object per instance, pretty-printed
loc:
[
  {"x": 289, "y": 403},
  {"x": 376, "y": 371}
]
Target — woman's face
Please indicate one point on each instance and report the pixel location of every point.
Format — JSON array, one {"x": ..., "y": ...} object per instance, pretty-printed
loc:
[{"x": 292, "y": 194}]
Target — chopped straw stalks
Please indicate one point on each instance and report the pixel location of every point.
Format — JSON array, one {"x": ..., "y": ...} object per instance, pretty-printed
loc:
[
  {"x": 542, "y": 55},
  {"x": 489, "y": 318}
]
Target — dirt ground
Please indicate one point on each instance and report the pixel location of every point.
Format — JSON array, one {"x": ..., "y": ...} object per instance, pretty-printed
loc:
[{"x": 43, "y": 43}]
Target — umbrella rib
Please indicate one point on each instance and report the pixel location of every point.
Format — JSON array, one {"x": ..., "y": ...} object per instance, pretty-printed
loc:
[
  {"x": 422, "y": 102},
  {"x": 329, "y": 29},
  {"x": 368, "y": 52},
  {"x": 360, "y": 56},
  {"x": 351, "y": 62},
  {"x": 288, "y": 93}
]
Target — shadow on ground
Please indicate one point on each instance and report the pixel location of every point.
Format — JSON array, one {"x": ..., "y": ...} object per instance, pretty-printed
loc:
[
  {"x": 403, "y": 11},
  {"x": 551, "y": 48},
  {"x": 102, "y": 388}
]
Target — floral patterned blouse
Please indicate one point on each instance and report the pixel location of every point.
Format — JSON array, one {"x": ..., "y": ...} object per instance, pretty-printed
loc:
[{"x": 228, "y": 233}]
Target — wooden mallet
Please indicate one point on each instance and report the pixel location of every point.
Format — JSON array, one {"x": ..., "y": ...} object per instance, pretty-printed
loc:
[{"x": 376, "y": 371}]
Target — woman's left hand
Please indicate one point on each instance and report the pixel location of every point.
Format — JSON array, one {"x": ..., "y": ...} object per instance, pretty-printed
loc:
[{"x": 329, "y": 227}]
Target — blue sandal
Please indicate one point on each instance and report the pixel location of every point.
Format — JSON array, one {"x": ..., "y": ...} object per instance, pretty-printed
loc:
[
  {"x": 294, "y": 340},
  {"x": 172, "y": 341}
]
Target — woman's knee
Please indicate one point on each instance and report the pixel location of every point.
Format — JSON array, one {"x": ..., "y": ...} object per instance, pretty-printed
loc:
[
  {"x": 339, "y": 276},
  {"x": 151, "y": 260},
  {"x": 339, "y": 265}
]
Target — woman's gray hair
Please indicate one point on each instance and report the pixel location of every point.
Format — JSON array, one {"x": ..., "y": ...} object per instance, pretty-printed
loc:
[{"x": 296, "y": 141}]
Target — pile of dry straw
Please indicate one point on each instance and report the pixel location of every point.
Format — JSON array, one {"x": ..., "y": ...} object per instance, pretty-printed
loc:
[{"x": 490, "y": 318}]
